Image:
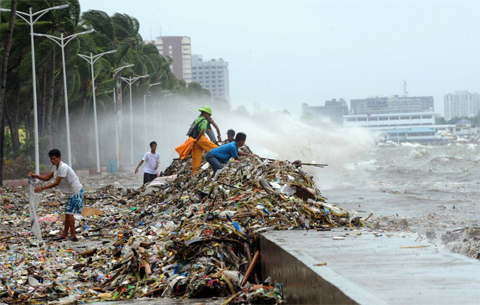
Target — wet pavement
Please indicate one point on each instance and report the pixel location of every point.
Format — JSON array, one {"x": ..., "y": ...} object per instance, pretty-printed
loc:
[{"x": 346, "y": 266}]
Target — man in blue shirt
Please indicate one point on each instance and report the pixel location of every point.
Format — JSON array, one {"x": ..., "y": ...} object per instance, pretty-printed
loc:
[{"x": 220, "y": 155}]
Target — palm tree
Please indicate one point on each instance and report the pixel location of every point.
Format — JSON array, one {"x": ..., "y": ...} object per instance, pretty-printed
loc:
[
  {"x": 3, "y": 80},
  {"x": 118, "y": 32}
]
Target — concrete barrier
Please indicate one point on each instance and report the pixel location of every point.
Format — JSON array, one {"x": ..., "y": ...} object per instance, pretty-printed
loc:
[
  {"x": 301, "y": 284},
  {"x": 366, "y": 268}
]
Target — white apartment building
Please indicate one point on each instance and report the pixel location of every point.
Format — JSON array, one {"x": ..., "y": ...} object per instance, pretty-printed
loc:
[
  {"x": 212, "y": 75},
  {"x": 180, "y": 50},
  {"x": 389, "y": 120},
  {"x": 461, "y": 104}
]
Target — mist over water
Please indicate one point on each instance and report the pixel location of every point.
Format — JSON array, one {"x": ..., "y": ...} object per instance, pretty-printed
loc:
[
  {"x": 404, "y": 179},
  {"x": 269, "y": 134}
]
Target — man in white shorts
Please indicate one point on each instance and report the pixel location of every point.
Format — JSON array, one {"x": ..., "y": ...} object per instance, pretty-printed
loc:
[
  {"x": 151, "y": 159},
  {"x": 69, "y": 184}
]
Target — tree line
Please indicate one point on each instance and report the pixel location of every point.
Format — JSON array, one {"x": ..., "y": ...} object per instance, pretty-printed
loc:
[
  {"x": 474, "y": 120},
  {"x": 118, "y": 32}
]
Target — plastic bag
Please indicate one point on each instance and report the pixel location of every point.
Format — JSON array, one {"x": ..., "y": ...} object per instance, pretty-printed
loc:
[{"x": 34, "y": 200}]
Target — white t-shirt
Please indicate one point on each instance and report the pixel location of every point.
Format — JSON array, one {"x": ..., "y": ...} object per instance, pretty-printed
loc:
[
  {"x": 70, "y": 184},
  {"x": 151, "y": 161}
]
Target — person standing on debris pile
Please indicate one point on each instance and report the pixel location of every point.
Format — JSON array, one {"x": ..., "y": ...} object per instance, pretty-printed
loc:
[
  {"x": 69, "y": 184},
  {"x": 201, "y": 142},
  {"x": 221, "y": 155},
  {"x": 151, "y": 159}
]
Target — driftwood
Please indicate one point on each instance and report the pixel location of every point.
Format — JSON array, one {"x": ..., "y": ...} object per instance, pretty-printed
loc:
[
  {"x": 88, "y": 252},
  {"x": 250, "y": 268},
  {"x": 299, "y": 163}
]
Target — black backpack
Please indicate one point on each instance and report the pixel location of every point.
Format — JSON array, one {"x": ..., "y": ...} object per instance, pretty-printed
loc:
[{"x": 193, "y": 131}]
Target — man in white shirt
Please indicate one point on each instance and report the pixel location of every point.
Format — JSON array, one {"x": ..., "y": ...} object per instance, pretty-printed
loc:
[
  {"x": 69, "y": 184},
  {"x": 151, "y": 159}
]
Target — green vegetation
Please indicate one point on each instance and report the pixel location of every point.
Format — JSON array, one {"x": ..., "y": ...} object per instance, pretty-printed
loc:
[
  {"x": 474, "y": 120},
  {"x": 118, "y": 32}
]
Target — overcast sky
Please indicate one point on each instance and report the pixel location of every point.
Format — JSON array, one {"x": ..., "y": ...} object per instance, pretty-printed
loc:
[{"x": 282, "y": 53}]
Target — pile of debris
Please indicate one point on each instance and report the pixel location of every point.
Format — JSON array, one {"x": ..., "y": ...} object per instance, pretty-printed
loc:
[{"x": 180, "y": 236}]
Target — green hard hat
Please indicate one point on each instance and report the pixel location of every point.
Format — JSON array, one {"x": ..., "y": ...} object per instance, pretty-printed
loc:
[{"x": 206, "y": 109}]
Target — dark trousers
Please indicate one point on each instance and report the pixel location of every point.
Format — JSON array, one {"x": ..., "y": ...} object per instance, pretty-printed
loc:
[
  {"x": 214, "y": 162},
  {"x": 148, "y": 178}
]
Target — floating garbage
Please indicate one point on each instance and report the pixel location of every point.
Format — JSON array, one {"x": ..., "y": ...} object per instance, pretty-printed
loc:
[{"x": 180, "y": 236}]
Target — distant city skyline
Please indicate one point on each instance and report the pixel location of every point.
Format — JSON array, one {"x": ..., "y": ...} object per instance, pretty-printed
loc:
[{"x": 284, "y": 53}]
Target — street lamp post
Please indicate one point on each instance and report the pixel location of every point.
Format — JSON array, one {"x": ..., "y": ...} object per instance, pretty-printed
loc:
[
  {"x": 62, "y": 42},
  {"x": 130, "y": 81},
  {"x": 91, "y": 60},
  {"x": 31, "y": 22},
  {"x": 145, "y": 112},
  {"x": 119, "y": 113},
  {"x": 117, "y": 154}
]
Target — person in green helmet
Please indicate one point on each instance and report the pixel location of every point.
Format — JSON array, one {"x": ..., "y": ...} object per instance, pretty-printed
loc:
[{"x": 202, "y": 143}]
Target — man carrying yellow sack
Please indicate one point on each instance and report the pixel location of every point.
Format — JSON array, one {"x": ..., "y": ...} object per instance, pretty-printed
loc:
[{"x": 202, "y": 143}]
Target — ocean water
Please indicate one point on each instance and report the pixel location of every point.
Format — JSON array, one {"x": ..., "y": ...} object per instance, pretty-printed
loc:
[
  {"x": 409, "y": 179},
  {"x": 426, "y": 192}
]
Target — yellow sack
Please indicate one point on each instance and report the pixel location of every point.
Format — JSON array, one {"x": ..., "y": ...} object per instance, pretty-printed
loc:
[{"x": 185, "y": 148}]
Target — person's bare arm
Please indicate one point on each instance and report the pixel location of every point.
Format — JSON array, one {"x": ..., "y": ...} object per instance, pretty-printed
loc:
[
  {"x": 49, "y": 186},
  {"x": 43, "y": 178},
  {"x": 138, "y": 166},
  {"x": 217, "y": 129},
  {"x": 242, "y": 155}
]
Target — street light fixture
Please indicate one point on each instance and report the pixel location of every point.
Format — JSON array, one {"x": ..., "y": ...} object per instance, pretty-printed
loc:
[
  {"x": 145, "y": 112},
  {"x": 119, "y": 113},
  {"x": 121, "y": 68},
  {"x": 31, "y": 22},
  {"x": 91, "y": 60},
  {"x": 62, "y": 43},
  {"x": 130, "y": 81}
]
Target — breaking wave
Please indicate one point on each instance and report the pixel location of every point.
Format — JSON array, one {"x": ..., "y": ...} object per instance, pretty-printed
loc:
[
  {"x": 419, "y": 153},
  {"x": 441, "y": 160}
]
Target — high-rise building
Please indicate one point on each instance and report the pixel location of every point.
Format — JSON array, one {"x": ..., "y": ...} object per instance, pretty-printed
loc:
[
  {"x": 212, "y": 75},
  {"x": 461, "y": 104},
  {"x": 393, "y": 104},
  {"x": 333, "y": 109},
  {"x": 180, "y": 50}
]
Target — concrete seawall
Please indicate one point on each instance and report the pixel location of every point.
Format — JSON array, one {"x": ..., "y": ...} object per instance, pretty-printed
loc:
[{"x": 366, "y": 268}]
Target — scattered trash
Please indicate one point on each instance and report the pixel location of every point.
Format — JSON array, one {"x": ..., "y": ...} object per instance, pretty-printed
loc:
[{"x": 179, "y": 236}]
